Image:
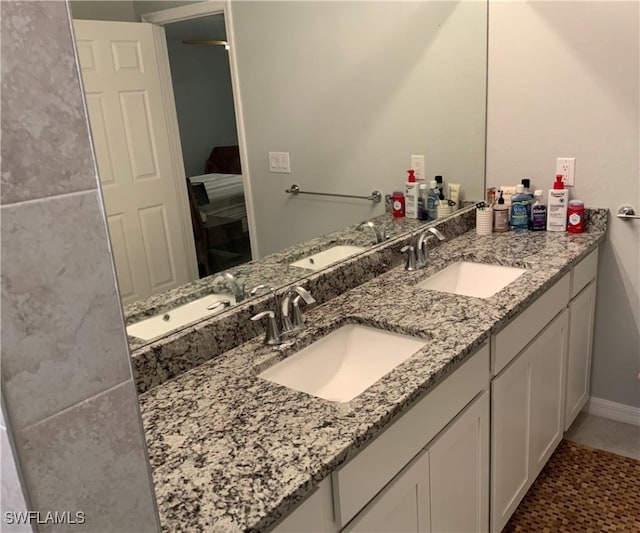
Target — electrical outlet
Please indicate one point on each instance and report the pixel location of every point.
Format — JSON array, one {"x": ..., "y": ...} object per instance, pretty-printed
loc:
[
  {"x": 279, "y": 162},
  {"x": 567, "y": 167},
  {"x": 417, "y": 164}
]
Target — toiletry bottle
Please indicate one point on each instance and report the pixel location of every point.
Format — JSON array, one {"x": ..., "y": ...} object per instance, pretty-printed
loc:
[
  {"x": 440, "y": 184},
  {"x": 443, "y": 207},
  {"x": 557, "y": 206},
  {"x": 500, "y": 216},
  {"x": 422, "y": 201},
  {"x": 575, "y": 216},
  {"x": 397, "y": 200},
  {"x": 538, "y": 212},
  {"x": 526, "y": 183},
  {"x": 454, "y": 195},
  {"x": 411, "y": 196},
  {"x": 432, "y": 200},
  {"x": 520, "y": 210}
]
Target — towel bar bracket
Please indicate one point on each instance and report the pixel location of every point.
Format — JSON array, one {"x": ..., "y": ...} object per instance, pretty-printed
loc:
[{"x": 627, "y": 213}]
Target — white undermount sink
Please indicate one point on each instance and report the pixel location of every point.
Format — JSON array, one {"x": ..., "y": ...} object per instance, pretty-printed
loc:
[
  {"x": 328, "y": 257},
  {"x": 344, "y": 363},
  {"x": 154, "y": 326},
  {"x": 472, "y": 279}
]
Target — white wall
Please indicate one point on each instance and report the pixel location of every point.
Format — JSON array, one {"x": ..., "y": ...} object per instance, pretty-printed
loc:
[
  {"x": 202, "y": 89},
  {"x": 564, "y": 81},
  {"x": 122, "y": 10},
  {"x": 352, "y": 90}
]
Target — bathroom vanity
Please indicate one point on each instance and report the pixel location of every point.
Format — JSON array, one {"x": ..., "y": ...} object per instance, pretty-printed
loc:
[{"x": 492, "y": 390}]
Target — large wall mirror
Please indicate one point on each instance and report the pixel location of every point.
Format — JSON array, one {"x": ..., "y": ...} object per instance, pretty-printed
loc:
[{"x": 349, "y": 91}]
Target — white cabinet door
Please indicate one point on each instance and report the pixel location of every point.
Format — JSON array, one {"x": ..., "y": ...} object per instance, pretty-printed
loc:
[
  {"x": 314, "y": 515},
  {"x": 581, "y": 316},
  {"x": 402, "y": 506},
  {"x": 509, "y": 440},
  {"x": 459, "y": 472},
  {"x": 527, "y": 414},
  {"x": 546, "y": 408}
]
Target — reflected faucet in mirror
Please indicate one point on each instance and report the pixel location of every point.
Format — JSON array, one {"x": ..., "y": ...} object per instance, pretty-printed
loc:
[
  {"x": 380, "y": 236},
  {"x": 228, "y": 280}
]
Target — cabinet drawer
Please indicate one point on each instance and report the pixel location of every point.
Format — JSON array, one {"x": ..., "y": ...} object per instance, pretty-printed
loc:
[
  {"x": 359, "y": 480},
  {"x": 585, "y": 271},
  {"x": 513, "y": 338}
]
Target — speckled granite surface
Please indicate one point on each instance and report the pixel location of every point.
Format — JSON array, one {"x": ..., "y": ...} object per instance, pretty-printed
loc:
[
  {"x": 232, "y": 452},
  {"x": 174, "y": 354}
]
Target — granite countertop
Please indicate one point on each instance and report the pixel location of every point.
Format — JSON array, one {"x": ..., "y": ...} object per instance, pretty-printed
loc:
[{"x": 232, "y": 452}]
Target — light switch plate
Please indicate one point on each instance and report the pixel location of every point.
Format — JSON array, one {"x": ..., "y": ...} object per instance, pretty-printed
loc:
[{"x": 279, "y": 162}]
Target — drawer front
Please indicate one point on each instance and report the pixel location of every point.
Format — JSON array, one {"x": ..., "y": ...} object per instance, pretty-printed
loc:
[
  {"x": 514, "y": 337},
  {"x": 585, "y": 271},
  {"x": 358, "y": 481}
]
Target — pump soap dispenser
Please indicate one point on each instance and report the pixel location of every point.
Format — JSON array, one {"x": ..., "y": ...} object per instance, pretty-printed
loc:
[
  {"x": 557, "y": 206},
  {"x": 411, "y": 196}
]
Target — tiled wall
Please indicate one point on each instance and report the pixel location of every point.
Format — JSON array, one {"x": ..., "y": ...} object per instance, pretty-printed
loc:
[{"x": 66, "y": 376}]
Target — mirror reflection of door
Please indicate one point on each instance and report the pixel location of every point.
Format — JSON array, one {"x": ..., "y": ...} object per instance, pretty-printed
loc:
[
  {"x": 201, "y": 79},
  {"x": 165, "y": 230}
]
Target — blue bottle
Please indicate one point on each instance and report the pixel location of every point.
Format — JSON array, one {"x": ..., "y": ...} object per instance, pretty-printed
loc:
[
  {"x": 433, "y": 197},
  {"x": 520, "y": 210}
]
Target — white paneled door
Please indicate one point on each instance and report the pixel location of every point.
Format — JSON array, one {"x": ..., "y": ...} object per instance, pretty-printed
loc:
[{"x": 133, "y": 150}]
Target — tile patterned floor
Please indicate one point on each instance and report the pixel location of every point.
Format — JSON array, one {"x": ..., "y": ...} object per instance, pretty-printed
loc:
[{"x": 581, "y": 490}]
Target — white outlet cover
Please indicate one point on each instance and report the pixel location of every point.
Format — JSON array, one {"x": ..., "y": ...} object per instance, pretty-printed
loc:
[
  {"x": 567, "y": 167},
  {"x": 279, "y": 162}
]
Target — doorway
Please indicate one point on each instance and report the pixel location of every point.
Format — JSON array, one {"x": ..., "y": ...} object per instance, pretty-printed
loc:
[{"x": 198, "y": 53}]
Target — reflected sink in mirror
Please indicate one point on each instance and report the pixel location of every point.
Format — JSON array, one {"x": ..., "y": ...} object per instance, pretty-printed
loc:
[
  {"x": 465, "y": 278},
  {"x": 344, "y": 363},
  {"x": 328, "y": 257},
  {"x": 161, "y": 324}
]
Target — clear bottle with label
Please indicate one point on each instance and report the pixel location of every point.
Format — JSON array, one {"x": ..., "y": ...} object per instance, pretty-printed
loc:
[
  {"x": 520, "y": 210},
  {"x": 433, "y": 197},
  {"x": 500, "y": 216},
  {"x": 422, "y": 201},
  {"x": 538, "y": 212}
]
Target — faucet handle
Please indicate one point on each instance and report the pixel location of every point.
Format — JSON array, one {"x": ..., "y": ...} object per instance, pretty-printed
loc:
[
  {"x": 260, "y": 287},
  {"x": 219, "y": 303},
  {"x": 294, "y": 323},
  {"x": 272, "y": 336},
  {"x": 411, "y": 257}
]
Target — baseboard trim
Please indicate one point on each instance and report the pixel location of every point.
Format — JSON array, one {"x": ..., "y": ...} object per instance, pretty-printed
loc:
[{"x": 613, "y": 410}]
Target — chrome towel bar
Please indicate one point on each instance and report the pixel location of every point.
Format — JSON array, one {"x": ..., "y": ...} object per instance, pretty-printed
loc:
[
  {"x": 627, "y": 213},
  {"x": 375, "y": 196}
]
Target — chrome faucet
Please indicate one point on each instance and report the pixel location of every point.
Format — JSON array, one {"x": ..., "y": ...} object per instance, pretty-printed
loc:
[
  {"x": 380, "y": 235},
  {"x": 422, "y": 252},
  {"x": 294, "y": 322},
  {"x": 228, "y": 279}
]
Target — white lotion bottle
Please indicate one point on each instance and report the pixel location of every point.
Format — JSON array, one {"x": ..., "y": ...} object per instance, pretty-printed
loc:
[
  {"x": 557, "y": 206},
  {"x": 411, "y": 196}
]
